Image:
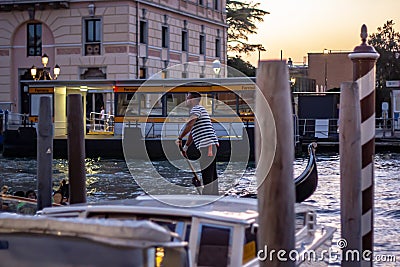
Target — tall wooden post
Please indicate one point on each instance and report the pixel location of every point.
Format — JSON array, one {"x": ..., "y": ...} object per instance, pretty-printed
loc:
[
  {"x": 350, "y": 170},
  {"x": 1, "y": 121},
  {"x": 364, "y": 58},
  {"x": 276, "y": 192},
  {"x": 76, "y": 150},
  {"x": 44, "y": 154}
]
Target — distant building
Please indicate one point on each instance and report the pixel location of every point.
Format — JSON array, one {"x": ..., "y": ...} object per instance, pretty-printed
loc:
[
  {"x": 329, "y": 69},
  {"x": 110, "y": 40},
  {"x": 299, "y": 80}
]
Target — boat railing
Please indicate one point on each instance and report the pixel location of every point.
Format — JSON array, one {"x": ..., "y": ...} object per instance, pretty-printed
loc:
[
  {"x": 309, "y": 224},
  {"x": 329, "y": 128},
  {"x": 296, "y": 129},
  {"x": 131, "y": 123},
  {"x": 101, "y": 123},
  {"x": 172, "y": 129},
  {"x": 12, "y": 120},
  {"x": 5, "y": 108},
  {"x": 318, "y": 128},
  {"x": 385, "y": 127}
]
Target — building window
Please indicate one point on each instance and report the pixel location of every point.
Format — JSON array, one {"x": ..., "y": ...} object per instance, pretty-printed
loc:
[
  {"x": 217, "y": 47},
  {"x": 165, "y": 37},
  {"x": 34, "y": 44},
  {"x": 92, "y": 37},
  {"x": 143, "y": 32},
  {"x": 201, "y": 2},
  {"x": 202, "y": 44},
  {"x": 216, "y": 4},
  {"x": 142, "y": 73},
  {"x": 184, "y": 40}
]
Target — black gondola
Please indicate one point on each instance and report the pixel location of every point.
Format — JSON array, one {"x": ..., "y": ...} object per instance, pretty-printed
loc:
[{"x": 307, "y": 182}]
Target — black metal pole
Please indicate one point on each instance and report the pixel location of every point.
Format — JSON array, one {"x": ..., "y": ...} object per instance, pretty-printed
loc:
[{"x": 44, "y": 154}]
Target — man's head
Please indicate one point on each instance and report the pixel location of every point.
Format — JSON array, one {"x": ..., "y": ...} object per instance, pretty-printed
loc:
[{"x": 193, "y": 98}]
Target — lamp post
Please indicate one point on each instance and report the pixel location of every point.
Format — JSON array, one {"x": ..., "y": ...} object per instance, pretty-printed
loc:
[
  {"x": 260, "y": 48},
  {"x": 326, "y": 52},
  {"x": 45, "y": 73},
  {"x": 216, "y": 65}
]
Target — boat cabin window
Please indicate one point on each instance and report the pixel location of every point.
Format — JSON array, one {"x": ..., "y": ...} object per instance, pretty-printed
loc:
[
  {"x": 179, "y": 225},
  {"x": 150, "y": 104},
  {"x": 35, "y": 103},
  {"x": 127, "y": 99},
  {"x": 246, "y": 103},
  {"x": 225, "y": 104},
  {"x": 139, "y": 104},
  {"x": 214, "y": 245},
  {"x": 113, "y": 215},
  {"x": 207, "y": 102},
  {"x": 176, "y": 104}
]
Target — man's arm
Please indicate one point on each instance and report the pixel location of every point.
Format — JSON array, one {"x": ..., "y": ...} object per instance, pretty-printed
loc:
[
  {"x": 188, "y": 126},
  {"x": 186, "y": 130},
  {"x": 186, "y": 146}
]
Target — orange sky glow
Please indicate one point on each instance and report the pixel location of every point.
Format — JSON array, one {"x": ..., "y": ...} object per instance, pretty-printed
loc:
[{"x": 298, "y": 27}]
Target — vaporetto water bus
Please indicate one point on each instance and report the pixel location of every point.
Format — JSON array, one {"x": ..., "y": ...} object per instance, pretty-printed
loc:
[{"x": 154, "y": 110}]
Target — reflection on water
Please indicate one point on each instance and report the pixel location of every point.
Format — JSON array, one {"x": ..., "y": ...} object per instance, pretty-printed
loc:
[{"x": 111, "y": 179}]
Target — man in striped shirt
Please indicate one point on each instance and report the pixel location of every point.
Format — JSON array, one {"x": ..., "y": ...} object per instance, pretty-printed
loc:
[{"x": 201, "y": 131}]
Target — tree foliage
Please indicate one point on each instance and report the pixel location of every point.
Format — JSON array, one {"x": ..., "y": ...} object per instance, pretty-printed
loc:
[
  {"x": 387, "y": 43},
  {"x": 243, "y": 66},
  {"x": 242, "y": 18}
]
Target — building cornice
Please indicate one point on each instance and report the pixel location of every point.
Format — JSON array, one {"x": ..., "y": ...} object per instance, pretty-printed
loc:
[{"x": 22, "y": 5}]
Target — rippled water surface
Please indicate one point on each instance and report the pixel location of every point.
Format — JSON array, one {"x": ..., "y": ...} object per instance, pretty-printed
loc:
[{"x": 112, "y": 179}]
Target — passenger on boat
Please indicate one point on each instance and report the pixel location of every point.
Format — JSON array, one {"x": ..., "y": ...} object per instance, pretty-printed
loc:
[
  {"x": 102, "y": 117},
  {"x": 201, "y": 131},
  {"x": 19, "y": 193},
  {"x": 64, "y": 189},
  {"x": 4, "y": 190},
  {"x": 3, "y": 205},
  {"x": 30, "y": 194},
  {"x": 58, "y": 198}
]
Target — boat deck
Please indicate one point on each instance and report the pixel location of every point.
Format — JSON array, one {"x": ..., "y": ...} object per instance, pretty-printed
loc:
[{"x": 237, "y": 210}]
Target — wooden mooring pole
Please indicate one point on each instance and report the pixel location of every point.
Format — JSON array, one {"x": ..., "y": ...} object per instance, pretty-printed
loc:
[
  {"x": 276, "y": 191},
  {"x": 364, "y": 58},
  {"x": 350, "y": 172},
  {"x": 76, "y": 150},
  {"x": 44, "y": 154}
]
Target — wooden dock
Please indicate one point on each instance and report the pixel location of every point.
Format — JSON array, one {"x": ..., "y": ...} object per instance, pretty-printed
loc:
[{"x": 383, "y": 143}]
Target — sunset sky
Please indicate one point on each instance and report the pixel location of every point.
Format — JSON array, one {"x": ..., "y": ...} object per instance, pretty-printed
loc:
[{"x": 298, "y": 27}]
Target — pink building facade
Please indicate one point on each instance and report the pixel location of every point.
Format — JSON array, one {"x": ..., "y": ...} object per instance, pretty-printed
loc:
[
  {"x": 110, "y": 40},
  {"x": 329, "y": 69}
]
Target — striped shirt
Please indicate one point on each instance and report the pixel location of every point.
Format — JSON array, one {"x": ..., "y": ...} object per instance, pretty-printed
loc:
[{"x": 203, "y": 132}]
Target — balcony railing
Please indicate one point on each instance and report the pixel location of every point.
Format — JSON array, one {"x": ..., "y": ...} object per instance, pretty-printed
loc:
[{"x": 92, "y": 49}]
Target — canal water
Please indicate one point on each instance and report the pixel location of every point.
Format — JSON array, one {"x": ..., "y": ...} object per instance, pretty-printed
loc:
[{"x": 112, "y": 179}]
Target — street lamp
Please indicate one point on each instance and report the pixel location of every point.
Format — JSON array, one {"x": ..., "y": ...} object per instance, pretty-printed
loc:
[
  {"x": 326, "y": 52},
  {"x": 38, "y": 74},
  {"x": 216, "y": 65}
]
